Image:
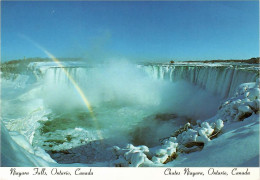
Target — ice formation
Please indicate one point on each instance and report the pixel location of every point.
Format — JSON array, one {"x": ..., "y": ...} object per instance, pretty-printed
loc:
[
  {"x": 237, "y": 115},
  {"x": 244, "y": 104},
  {"x": 17, "y": 151},
  {"x": 188, "y": 140},
  {"x": 131, "y": 156},
  {"x": 192, "y": 138}
]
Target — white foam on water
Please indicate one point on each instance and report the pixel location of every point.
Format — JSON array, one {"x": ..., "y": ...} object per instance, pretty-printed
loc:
[{"x": 122, "y": 97}]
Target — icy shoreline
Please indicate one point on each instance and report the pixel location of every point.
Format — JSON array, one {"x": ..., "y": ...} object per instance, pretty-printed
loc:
[
  {"x": 240, "y": 132},
  {"x": 205, "y": 143},
  {"x": 243, "y": 107}
]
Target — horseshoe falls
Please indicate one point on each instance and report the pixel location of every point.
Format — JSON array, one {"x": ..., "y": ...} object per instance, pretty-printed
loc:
[
  {"x": 122, "y": 114},
  {"x": 218, "y": 79}
]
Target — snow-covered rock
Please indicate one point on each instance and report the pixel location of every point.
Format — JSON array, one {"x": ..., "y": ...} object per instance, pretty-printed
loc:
[
  {"x": 131, "y": 156},
  {"x": 243, "y": 105},
  {"x": 192, "y": 138},
  {"x": 17, "y": 151},
  {"x": 188, "y": 140}
]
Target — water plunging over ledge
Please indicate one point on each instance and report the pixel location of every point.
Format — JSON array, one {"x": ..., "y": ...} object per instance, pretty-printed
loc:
[{"x": 132, "y": 105}]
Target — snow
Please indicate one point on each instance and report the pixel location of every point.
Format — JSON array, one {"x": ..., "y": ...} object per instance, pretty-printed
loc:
[
  {"x": 244, "y": 104},
  {"x": 17, "y": 151},
  {"x": 131, "y": 156},
  {"x": 219, "y": 124},
  {"x": 237, "y": 146},
  {"x": 235, "y": 143},
  {"x": 138, "y": 156},
  {"x": 230, "y": 138},
  {"x": 46, "y": 65}
]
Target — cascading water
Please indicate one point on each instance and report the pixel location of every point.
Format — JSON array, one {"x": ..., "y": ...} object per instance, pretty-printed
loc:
[
  {"x": 121, "y": 104},
  {"x": 129, "y": 106},
  {"x": 219, "y": 79}
]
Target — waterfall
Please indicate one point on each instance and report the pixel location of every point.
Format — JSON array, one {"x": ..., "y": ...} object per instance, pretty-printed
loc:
[
  {"x": 220, "y": 80},
  {"x": 58, "y": 75}
]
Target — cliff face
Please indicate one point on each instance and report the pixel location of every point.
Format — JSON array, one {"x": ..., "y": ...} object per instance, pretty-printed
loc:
[{"x": 219, "y": 79}]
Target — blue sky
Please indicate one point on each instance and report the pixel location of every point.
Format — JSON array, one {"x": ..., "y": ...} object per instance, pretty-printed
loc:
[{"x": 133, "y": 30}]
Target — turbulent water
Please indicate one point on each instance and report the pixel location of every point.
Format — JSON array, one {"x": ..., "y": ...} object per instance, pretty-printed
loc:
[{"x": 127, "y": 105}]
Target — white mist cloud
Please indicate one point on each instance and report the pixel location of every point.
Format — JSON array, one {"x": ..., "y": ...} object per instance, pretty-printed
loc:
[{"x": 123, "y": 95}]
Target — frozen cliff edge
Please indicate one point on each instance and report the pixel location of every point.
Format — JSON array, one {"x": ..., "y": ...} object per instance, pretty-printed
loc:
[
  {"x": 230, "y": 138},
  {"x": 237, "y": 142},
  {"x": 219, "y": 79},
  {"x": 17, "y": 151}
]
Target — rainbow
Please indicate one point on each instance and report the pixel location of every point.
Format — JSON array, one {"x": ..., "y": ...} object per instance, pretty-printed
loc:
[{"x": 74, "y": 83}]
